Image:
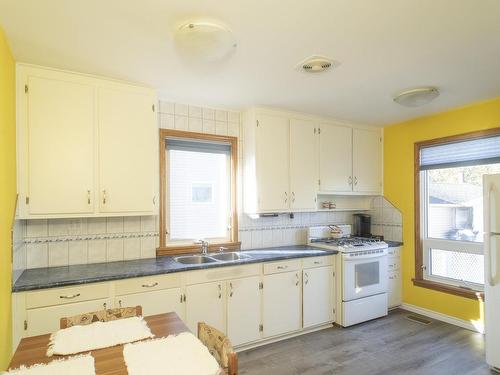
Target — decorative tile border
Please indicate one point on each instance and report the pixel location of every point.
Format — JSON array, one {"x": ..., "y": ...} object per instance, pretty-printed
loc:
[{"x": 89, "y": 237}]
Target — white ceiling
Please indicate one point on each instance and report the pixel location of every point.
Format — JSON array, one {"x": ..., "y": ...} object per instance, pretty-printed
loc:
[{"x": 383, "y": 46}]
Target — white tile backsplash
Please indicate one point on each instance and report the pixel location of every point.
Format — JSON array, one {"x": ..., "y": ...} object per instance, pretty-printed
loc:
[
  {"x": 208, "y": 114},
  {"x": 96, "y": 225},
  {"x": 58, "y": 254},
  {"x": 37, "y": 228},
  {"x": 181, "y": 109},
  {"x": 132, "y": 224},
  {"x": 220, "y": 128},
  {"x": 37, "y": 255},
  {"x": 114, "y": 250},
  {"x": 77, "y": 252},
  {"x": 181, "y": 123},
  {"x": 195, "y": 111},
  {"x": 131, "y": 248},
  {"x": 96, "y": 251},
  {"x": 195, "y": 125},
  {"x": 114, "y": 225},
  {"x": 209, "y": 126}
]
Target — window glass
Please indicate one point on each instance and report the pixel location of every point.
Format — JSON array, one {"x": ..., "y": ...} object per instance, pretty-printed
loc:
[
  {"x": 465, "y": 267},
  {"x": 199, "y": 198},
  {"x": 455, "y": 202}
]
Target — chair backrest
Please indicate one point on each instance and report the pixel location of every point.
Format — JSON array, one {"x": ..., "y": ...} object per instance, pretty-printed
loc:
[
  {"x": 100, "y": 316},
  {"x": 219, "y": 346}
]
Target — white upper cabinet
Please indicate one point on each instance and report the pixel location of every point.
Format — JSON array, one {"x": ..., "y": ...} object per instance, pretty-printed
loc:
[
  {"x": 335, "y": 158},
  {"x": 272, "y": 163},
  {"x": 303, "y": 164},
  {"x": 366, "y": 161},
  {"x": 126, "y": 163},
  {"x": 350, "y": 160},
  {"x": 60, "y": 145},
  {"x": 86, "y": 146},
  {"x": 290, "y": 158}
]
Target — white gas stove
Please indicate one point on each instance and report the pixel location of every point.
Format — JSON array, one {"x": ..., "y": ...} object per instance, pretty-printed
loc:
[
  {"x": 362, "y": 270},
  {"x": 321, "y": 236}
]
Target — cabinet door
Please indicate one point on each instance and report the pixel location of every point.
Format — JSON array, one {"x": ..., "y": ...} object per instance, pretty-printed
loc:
[
  {"x": 127, "y": 150},
  {"x": 243, "y": 310},
  {"x": 272, "y": 163},
  {"x": 156, "y": 302},
  {"x": 46, "y": 319},
  {"x": 318, "y": 296},
  {"x": 394, "y": 294},
  {"x": 60, "y": 146},
  {"x": 303, "y": 164},
  {"x": 367, "y": 154},
  {"x": 335, "y": 158},
  {"x": 282, "y": 304},
  {"x": 205, "y": 303}
]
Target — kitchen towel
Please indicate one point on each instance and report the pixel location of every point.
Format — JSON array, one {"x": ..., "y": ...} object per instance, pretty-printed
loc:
[
  {"x": 98, "y": 335},
  {"x": 183, "y": 354},
  {"x": 80, "y": 365}
]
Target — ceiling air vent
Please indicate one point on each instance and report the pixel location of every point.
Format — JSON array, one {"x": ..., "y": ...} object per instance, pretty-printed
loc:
[{"x": 317, "y": 64}]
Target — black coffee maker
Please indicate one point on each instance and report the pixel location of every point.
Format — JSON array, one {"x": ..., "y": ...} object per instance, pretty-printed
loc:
[{"x": 362, "y": 225}]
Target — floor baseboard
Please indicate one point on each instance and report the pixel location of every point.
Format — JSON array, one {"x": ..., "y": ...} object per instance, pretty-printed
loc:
[{"x": 443, "y": 317}]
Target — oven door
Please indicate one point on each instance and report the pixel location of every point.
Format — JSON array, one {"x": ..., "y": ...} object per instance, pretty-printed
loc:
[{"x": 364, "y": 276}]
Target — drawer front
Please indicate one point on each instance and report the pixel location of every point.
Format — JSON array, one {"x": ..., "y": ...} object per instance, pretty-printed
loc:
[
  {"x": 393, "y": 264},
  {"x": 154, "y": 302},
  {"x": 282, "y": 266},
  {"x": 317, "y": 261},
  {"x": 47, "y": 319},
  {"x": 394, "y": 279},
  {"x": 222, "y": 273},
  {"x": 62, "y": 296},
  {"x": 394, "y": 251},
  {"x": 147, "y": 284}
]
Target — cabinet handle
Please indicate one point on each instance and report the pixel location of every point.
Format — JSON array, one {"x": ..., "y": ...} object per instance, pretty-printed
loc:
[
  {"x": 220, "y": 291},
  {"x": 286, "y": 197},
  {"x": 152, "y": 285},
  {"x": 349, "y": 180},
  {"x": 88, "y": 196},
  {"x": 306, "y": 278},
  {"x": 317, "y": 262},
  {"x": 355, "y": 180},
  {"x": 105, "y": 305},
  {"x": 230, "y": 289},
  {"x": 120, "y": 303},
  {"x": 70, "y": 296},
  {"x": 282, "y": 267},
  {"x": 104, "y": 197},
  {"x": 293, "y": 197},
  {"x": 181, "y": 298},
  {"x": 298, "y": 279}
]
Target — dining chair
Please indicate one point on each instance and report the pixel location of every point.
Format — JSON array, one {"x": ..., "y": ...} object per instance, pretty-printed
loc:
[
  {"x": 105, "y": 315},
  {"x": 220, "y": 347}
]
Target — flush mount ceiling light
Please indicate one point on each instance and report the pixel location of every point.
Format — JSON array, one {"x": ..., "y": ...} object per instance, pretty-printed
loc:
[
  {"x": 204, "y": 41},
  {"x": 417, "y": 97},
  {"x": 317, "y": 64}
]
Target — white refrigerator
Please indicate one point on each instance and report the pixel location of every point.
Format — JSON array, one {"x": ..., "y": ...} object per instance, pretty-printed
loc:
[{"x": 491, "y": 185}]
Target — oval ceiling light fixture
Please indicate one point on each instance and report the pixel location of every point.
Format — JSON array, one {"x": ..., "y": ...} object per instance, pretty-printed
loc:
[
  {"x": 317, "y": 64},
  {"x": 416, "y": 97},
  {"x": 205, "y": 41}
]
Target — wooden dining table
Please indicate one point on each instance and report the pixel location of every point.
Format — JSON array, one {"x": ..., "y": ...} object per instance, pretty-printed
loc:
[{"x": 108, "y": 361}]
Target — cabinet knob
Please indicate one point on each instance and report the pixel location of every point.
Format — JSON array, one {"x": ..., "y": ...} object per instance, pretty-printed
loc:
[
  {"x": 220, "y": 291},
  {"x": 298, "y": 279},
  {"x": 230, "y": 289},
  {"x": 88, "y": 196},
  {"x": 104, "y": 197}
]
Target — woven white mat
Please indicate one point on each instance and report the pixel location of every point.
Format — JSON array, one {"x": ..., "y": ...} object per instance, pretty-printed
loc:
[
  {"x": 98, "y": 335},
  {"x": 80, "y": 365},
  {"x": 183, "y": 354}
]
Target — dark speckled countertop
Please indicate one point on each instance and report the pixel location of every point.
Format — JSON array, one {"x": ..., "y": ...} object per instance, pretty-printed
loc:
[
  {"x": 394, "y": 243},
  {"x": 53, "y": 277}
]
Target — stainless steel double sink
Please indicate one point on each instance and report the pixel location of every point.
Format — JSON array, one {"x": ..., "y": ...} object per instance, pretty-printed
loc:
[{"x": 212, "y": 258}]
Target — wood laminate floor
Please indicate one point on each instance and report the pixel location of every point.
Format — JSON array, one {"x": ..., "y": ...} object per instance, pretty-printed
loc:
[{"x": 391, "y": 345}]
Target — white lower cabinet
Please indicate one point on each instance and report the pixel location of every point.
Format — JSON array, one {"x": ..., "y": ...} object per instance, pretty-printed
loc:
[
  {"x": 395, "y": 287},
  {"x": 155, "y": 302},
  {"x": 317, "y": 296},
  {"x": 205, "y": 303},
  {"x": 250, "y": 303},
  {"x": 45, "y": 320},
  {"x": 243, "y": 310},
  {"x": 282, "y": 304}
]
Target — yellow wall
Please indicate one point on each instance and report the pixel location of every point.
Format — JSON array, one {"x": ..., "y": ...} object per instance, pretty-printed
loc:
[
  {"x": 398, "y": 188},
  {"x": 7, "y": 192}
]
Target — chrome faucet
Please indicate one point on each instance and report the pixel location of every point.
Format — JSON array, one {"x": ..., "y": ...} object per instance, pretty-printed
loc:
[{"x": 204, "y": 246}]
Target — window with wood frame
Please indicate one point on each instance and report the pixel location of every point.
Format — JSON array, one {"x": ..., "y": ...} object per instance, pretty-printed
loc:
[
  {"x": 449, "y": 210},
  {"x": 197, "y": 191}
]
